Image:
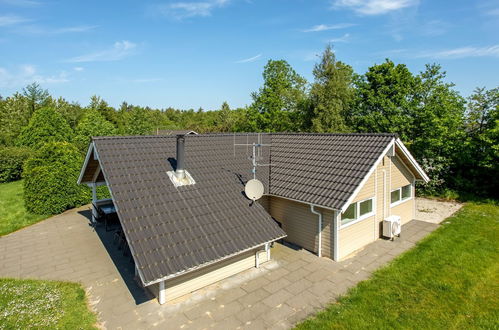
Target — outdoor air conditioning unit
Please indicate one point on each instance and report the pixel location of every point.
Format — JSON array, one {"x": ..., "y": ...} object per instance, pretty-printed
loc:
[{"x": 392, "y": 227}]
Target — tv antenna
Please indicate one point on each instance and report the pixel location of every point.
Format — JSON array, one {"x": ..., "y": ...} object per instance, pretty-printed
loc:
[{"x": 253, "y": 189}]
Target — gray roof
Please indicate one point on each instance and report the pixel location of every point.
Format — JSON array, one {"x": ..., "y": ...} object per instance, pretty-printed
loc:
[
  {"x": 172, "y": 230},
  {"x": 323, "y": 169}
]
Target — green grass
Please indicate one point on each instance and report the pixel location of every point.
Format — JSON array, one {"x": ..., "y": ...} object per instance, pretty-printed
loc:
[
  {"x": 450, "y": 280},
  {"x": 13, "y": 214},
  {"x": 33, "y": 304}
]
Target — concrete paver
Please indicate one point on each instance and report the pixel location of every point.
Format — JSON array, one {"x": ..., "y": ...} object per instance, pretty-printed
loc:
[{"x": 282, "y": 292}]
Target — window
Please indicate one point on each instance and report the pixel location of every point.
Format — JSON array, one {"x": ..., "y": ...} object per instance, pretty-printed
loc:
[
  {"x": 358, "y": 211},
  {"x": 365, "y": 207},
  {"x": 400, "y": 195},
  {"x": 350, "y": 214}
]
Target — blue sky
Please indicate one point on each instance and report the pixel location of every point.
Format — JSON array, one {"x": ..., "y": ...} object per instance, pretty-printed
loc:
[{"x": 190, "y": 54}]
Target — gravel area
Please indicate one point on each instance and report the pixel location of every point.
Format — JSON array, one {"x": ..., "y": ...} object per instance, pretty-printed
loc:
[{"x": 435, "y": 211}]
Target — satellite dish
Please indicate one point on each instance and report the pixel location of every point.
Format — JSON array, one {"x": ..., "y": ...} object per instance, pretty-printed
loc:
[{"x": 254, "y": 189}]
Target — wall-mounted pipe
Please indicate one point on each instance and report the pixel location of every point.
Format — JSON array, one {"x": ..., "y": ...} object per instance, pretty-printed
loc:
[{"x": 312, "y": 209}]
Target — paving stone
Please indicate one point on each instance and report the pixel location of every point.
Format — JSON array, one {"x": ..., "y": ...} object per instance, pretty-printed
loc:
[
  {"x": 224, "y": 311},
  {"x": 254, "y": 297},
  {"x": 277, "y": 298},
  {"x": 257, "y": 283},
  {"x": 229, "y": 295},
  {"x": 253, "y": 313},
  {"x": 277, "y": 285},
  {"x": 299, "y": 286},
  {"x": 277, "y": 314},
  {"x": 298, "y": 274}
]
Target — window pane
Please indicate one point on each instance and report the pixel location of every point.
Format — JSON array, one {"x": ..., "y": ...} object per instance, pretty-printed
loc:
[
  {"x": 395, "y": 196},
  {"x": 349, "y": 214},
  {"x": 406, "y": 191},
  {"x": 366, "y": 207}
]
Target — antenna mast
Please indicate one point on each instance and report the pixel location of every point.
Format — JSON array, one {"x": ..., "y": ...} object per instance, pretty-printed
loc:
[{"x": 256, "y": 152}]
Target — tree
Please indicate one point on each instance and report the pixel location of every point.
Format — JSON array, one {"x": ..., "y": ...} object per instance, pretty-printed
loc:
[
  {"x": 36, "y": 97},
  {"x": 138, "y": 123},
  {"x": 14, "y": 115},
  {"x": 478, "y": 163},
  {"x": 225, "y": 120},
  {"x": 331, "y": 94},
  {"x": 278, "y": 103},
  {"x": 108, "y": 112},
  {"x": 46, "y": 125},
  {"x": 71, "y": 112},
  {"x": 385, "y": 100},
  {"x": 50, "y": 179},
  {"x": 92, "y": 124}
]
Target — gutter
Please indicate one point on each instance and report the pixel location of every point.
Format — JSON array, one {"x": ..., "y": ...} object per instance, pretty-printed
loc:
[{"x": 312, "y": 209}]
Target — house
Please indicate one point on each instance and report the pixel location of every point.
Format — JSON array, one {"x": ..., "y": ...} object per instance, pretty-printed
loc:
[
  {"x": 174, "y": 132},
  {"x": 181, "y": 202}
]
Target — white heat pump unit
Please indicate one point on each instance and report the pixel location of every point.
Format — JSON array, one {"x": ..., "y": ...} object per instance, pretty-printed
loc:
[{"x": 392, "y": 227}]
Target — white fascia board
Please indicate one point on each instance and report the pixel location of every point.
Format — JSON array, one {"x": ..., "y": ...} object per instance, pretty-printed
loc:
[
  {"x": 371, "y": 171},
  {"x": 412, "y": 160},
  {"x": 85, "y": 163}
]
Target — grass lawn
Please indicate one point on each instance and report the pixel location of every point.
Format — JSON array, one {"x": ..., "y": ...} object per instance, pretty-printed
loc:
[
  {"x": 13, "y": 214},
  {"x": 29, "y": 304},
  {"x": 450, "y": 280}
]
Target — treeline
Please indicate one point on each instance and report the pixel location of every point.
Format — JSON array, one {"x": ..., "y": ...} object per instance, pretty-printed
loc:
[{"x": 455, "y": 139}]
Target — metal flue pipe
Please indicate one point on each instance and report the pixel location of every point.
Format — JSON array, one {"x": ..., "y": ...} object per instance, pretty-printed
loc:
[{"x": 180, "y": 170}]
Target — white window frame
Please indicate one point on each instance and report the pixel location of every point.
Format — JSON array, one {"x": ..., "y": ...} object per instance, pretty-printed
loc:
[
  {"x": 359, "y": 217},
  {"x": 402, "y": 200}
]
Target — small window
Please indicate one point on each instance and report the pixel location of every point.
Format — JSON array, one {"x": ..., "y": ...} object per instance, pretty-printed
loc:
[
  {"x": 358, "y": 211},
  {"x": 350, "y": 214},
  {"x": 406, "y": 191},
  {"x": 365, "y": 207},
  {"x": 395, "y": 196}
]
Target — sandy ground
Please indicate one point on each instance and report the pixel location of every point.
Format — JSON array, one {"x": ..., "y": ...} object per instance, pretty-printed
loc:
[{"x": 434, "y": 211}]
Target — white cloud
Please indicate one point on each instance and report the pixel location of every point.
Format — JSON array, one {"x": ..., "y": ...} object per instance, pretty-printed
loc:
[
  {"x": 7, "y": 20},
  {"x": 78, "y": 68},
  {"x": 36, "y": 29},
  {"x": 21, "y": 3},
  {"x": 181, "y": 10},
  {"x": 374, "y": 7},
  {"x": 250, "y": 59},
  {"x": 324, "y": 27},
  {"x": 27, "y": 74},
  {"x": 462, "y": 52},
  {"x": 118, "y": 51},
  {"x": 343, "y": 38}
]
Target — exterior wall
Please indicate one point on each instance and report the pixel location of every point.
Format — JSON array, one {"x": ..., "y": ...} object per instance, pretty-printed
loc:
[
  {"x": 390, "y": 174},
  {"x": 297, "y": 221},
  {"x": 185, "y": 284},
  {"x": 265, "y": 202}
]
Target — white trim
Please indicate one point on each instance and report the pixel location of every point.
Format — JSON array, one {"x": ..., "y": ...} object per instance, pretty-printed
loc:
[
  {"x": 364, "y": 180},
  {"x": 161, "y": 293},
  {"x": 267, "y": 249},
  {"x": 336, "y": 239},
  {"x": 412, "y": 160},
  {"x": 401, "y": 200},
  {"x": 206, "y": 264},
  {"x": 302, "y": 202},
  {"x": 363, "y": 217},
  {"x": 257, "y": 259},
  {"x": 319, "y": 248},
  {"x": 85, "y": 163}
]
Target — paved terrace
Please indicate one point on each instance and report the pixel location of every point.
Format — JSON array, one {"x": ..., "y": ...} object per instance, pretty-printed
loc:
[{"x": 279, "y": 294}]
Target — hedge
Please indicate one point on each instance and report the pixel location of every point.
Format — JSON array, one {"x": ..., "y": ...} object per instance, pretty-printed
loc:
[
  {"x": 11, "y": 162},
  {"x": 50, "y": 179}
]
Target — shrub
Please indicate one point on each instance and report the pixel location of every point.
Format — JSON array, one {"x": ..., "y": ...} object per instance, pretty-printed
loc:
[
  {"x": 11, "y": 162},
  {"x": 50, "y": 184},
  {"x": 92, "y": 124},
  {"x": 46, "y": 125}
]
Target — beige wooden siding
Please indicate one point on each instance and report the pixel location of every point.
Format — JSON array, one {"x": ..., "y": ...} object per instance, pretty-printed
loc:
[
  {"x": 400, "y": 176},
  {"x": 264, "y": 201},
  {"x": 327, "y": 240},
  {"x": 405, "y": 210},
  {"x": 396, "y": 175},
  {"x": 300, "y": 225},
  {"x": 185, "y": 284},
  {"x": 356, "y": 236}
]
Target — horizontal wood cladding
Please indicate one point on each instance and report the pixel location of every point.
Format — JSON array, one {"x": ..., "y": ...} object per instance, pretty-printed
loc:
[
  {"x": 367, "y": 191},
  {"x": 185, "y": 284},
  {"x": 356, "y": 236},
  {"x": 400, "y": 176},
  {"x": 300, "y": 225},
  {"x": 405, "y": 210}
]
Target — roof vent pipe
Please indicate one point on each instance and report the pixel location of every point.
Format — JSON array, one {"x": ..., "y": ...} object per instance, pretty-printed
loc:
[{"x": 180, "y": 170}]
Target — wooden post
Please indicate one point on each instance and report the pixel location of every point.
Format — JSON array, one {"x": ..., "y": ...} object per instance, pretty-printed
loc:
[
  {"x": 257, "y": 260},
  {"x": 267, "y": 248},
  {"x": 94, "y": 201},
  {"x": 162, "y": 293}
]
